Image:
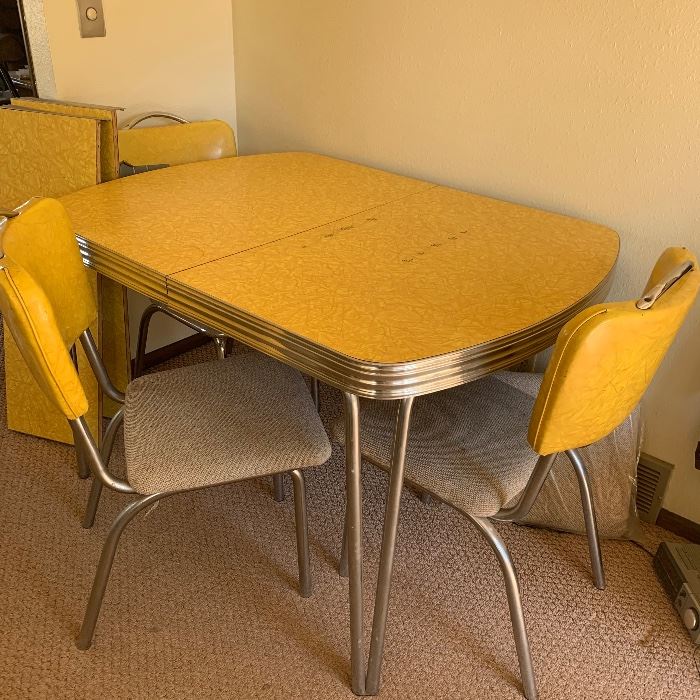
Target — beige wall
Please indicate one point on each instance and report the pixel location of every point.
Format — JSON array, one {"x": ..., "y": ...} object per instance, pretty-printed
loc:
[
  {"x": 167, "y": 55},
  {"x": 590, "y": 109}
]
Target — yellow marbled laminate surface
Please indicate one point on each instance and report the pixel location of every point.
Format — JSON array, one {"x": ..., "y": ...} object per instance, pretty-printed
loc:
[
  {"x": 47, "y": 155},
  {"x": 171, "y": 219},
  {"x": 375, "y": 282},
  {"x": 433, "y": 273},
  {"x": 107, "y": 116}
]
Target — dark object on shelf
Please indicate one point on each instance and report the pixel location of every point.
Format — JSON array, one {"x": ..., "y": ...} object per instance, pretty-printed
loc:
[{"x": 13, "y": 51}]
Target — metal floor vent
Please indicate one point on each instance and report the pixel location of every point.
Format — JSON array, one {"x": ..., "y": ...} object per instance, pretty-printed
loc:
[{"x": 652, "y": 479}]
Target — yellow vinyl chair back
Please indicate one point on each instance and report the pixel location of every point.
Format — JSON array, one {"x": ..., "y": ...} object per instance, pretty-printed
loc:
[
  {"x": 46, "y": 298},
  {"x": 605, "y": 358},
  {"x": 177, "y": 144}
]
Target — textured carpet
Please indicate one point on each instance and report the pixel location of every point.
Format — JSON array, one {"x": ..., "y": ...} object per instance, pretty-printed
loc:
[{"x": 202, "y": 602}]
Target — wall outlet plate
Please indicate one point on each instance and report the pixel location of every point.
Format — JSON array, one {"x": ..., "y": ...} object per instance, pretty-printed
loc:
[{"x": 91, "y": 18}]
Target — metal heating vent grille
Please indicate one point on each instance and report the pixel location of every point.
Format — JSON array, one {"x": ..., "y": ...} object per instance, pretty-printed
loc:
[{"x": 652, "y": 479}]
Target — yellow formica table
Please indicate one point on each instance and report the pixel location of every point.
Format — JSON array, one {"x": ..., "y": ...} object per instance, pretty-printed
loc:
[{"x": 380, "y": 285}]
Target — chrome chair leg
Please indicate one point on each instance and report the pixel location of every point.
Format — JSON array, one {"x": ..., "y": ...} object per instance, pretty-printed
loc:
[
  {"x": 589, "y": 517},
  {"x": 83, "y": 466},
  {"x": 278, "y": 487},
  {"x": 105, "y": 453},
  {"x": 353, "y": 488},
  {"x": 220, "y": 343},
  {"x": 92, "y": 504},
  {"x": 92, "y": 612},
  {"x": 386, "y": 561},
  {"x": 510, "y": 577},
  {"x": 302, "y": 528},
  {"x": 143, "y": 338}
]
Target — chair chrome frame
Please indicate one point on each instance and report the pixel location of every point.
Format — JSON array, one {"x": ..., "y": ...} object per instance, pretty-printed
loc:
[
  {"x": 98, "y": 460},
  {"x": 351, "y": 547}
]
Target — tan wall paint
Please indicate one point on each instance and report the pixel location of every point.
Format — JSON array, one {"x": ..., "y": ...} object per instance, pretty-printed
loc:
[
  {"x": 157, "y": 55},
  {"x": 590, "y": 109}
]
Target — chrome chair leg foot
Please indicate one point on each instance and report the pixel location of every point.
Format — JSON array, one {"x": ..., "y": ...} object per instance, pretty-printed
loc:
[
  {"x": 278, "y": 487},
  {"x": 302, "y": 528},
  {"x": 510, "y": 578},
  {"x": 99, "y": 585},
  {"x": 584, "y": 485},
  {"x": 93, "y": 502},
  {"x": 425, "y": 498}
]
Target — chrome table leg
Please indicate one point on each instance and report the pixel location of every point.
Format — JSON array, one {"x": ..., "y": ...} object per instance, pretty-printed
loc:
[
  {"x": 343, "y": 563},
  {"x": 386, "y": 562},
  {"x": 316, "y": 393},
  {"x": 353, "y": 479},
  {"x": 302, "y": 529}
]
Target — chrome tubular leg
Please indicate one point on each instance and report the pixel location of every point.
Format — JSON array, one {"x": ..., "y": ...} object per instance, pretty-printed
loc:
[
  {"x": 315, "y": 393},
  {"x": 278, "y": 487},
  {"x": 92, "y": 612},
  {"x": 143, "y": 338},
  {"x": 83, "y": 466},
  {"x": 584, "y": 485},
  {"x": 343, "y": 563},
  {"x": 510, "y": 577},
  {"x": 386, "y": 562},
  {"x": 105, "y": 453},
  {"x": 220, "y": 347},
  {"x": 302, "y": 528},
  {"x": 353, "y": 487},
  {"x": 93, "y": 502}
]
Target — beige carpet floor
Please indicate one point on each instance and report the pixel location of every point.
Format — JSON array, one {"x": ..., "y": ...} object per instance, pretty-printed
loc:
[{"x": 202, "y": 602}]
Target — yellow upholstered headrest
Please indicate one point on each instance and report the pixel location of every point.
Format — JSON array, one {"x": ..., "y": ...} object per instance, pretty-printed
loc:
[
  {"x": 46, "y": 298},
  {"x": 605, "y": 358}
]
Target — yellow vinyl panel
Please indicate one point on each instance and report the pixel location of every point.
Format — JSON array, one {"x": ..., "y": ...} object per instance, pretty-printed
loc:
[
  {"x": 171, "y": 219},
  {"x": 44, "y": 154},
  {"x": 47, "y": 299},
  {"x": 437, "y": 271},
  {"x": 176, "y": 144},
  {"x": 107, "y": 116},
  {"x": 604, "y": 360}
]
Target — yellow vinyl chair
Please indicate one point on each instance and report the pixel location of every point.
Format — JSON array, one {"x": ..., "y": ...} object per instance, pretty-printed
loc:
[
  {"x": 205, "y": 425},
  {"x": 486, "y": 448}
]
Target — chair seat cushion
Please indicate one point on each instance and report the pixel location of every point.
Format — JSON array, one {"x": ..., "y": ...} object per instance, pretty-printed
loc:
[
  {"x": 220, "y": 421},
  {"x": 467, "y": 446}
]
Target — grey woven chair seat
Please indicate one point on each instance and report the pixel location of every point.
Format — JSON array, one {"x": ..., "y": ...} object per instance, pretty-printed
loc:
[
  {"x": 220, "y": 421},
  {"x": 467, "y": 446}
]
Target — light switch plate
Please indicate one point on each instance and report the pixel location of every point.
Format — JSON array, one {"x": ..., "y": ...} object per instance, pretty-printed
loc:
[{"x": 91, "y": 18}]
